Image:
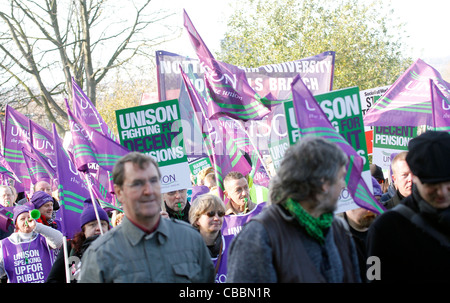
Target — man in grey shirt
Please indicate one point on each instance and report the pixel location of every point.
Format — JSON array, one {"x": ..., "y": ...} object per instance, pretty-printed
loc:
[{"x": 145, "y": 247}]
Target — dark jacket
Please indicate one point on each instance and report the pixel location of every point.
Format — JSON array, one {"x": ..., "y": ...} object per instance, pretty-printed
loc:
[
  {"x": 58, "y": 272},
  {"x": 183, "y": 215},
  {"x": 406, "y": 252},
  {"x": 394, "y": 200},
  {"x": 289, "y": 254}
]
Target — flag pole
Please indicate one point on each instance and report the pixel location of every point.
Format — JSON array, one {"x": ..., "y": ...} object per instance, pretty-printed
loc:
[
  {"x": 94, "y": 202},
  {"x": 66, "y": 259}
]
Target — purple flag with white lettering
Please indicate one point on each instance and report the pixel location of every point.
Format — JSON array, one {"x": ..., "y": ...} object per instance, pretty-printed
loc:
[
  {"x": 232, "y": 224},
  {"x": 221, "y": 149},
  {"x": 48, "y": 164},
  {"x": 408, "y": 102},
  {"x": 84, "y": 110},
  {"x": 227, "y": 85},
  {"x": 36, "y": 170},
  {"x": 42, "y": 140},
  {"x": 441, "y": 109},
  {"x": 16, "y": 136},
  {"x": 72, "y": 190},
  {"x": 312, "y": 121},
  {"x": 90, "y": 146}
]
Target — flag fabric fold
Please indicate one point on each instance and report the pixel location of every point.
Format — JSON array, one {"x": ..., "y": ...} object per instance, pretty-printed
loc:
[
  {"x": 72, "y": 190},
  {"x": 221, "y": 148},
  {"x": 227, "y": 85},
  {"x": 441, "y": 109},
  {"x": 86, "y": 111},
  {"x": 91, "y": 146},
  {"x": 312, "y": 121},
  {"x": 407, "y": 102},
  {"x": 36, "y": 170}
]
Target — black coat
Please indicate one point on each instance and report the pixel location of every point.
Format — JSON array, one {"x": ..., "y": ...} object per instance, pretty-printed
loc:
[
  {"x": 408, "y": 254},
  {"x": 58, "y": 273}
]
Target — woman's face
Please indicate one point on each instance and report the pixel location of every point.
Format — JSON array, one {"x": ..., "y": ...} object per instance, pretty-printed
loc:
[
  {"x": 92, "y": 228},
  {"x": 211, "y": 221},
  {"x": 23, "y": 225}
]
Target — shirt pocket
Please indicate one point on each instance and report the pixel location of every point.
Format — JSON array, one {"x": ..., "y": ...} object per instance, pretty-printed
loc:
[
  {"x": 185, "y": 272},
  {"x": 185, "y": 266}
]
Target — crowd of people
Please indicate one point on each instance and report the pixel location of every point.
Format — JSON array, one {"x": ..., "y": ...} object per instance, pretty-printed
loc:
[{"x": 290, "y": 230}]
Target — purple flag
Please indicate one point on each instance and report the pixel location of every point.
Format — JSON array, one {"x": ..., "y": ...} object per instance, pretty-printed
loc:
[
  {"x": 90, "y": 146},
  {"x": 86, "y": 111},
  {"x": 46, "y": 162},
  {"x": 72, "y": 190},
  {"x": 226, "y": 84},
  {"x": 408, "y": 102},
  {"x": 221, "y": 149},
  {"x": 312, "y": 121},
  {"x": 7, "y": 171},
  {"x": 42, "y": 140},
  {"x": 6, "y": 216},
  {"x": 16, "y": 136},
  {"x": 36, "y": 170},
  {"x": 441, "y": 109},
  {"x": 232, "y": 224}
]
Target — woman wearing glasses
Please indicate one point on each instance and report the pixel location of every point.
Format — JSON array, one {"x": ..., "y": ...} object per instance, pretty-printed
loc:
[{"x": 206, "y": 214}]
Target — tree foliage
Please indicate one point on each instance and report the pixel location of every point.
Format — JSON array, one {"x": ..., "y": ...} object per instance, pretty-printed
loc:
[
  {"x": 368, "y": 43},
  {"x": 44, "y": 43},
  {"x": 120, "y": 94}
]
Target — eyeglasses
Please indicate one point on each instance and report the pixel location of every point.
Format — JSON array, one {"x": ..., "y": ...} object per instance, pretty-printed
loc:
[{"x": 213, "y": 213}]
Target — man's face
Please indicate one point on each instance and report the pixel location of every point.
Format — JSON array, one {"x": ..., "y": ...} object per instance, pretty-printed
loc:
[
  {"x": 237, "y": 191},
  {"x": 140, "y": 192},
  {"x": 362, "y": 217},
  {"x": 333, "y": 191},
  {"x": 402, "y": 177},
  {"x": 43, "y": 186},
  {"x": 172, "y": 199},
  {"x": 437, "y": 195},
  {"x": 46, "y": 210},
  {"x": 6, "y": 197}
]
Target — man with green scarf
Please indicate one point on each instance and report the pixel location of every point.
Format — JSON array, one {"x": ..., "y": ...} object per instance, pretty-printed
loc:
[{"x": 297, "y": 238}]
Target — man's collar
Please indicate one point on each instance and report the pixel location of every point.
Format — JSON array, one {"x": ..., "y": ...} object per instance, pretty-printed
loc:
[{"x": 135, "y": 233}]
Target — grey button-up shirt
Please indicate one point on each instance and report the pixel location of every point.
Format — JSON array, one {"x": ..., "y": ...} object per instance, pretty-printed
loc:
[{"x": 175, "y": 252}]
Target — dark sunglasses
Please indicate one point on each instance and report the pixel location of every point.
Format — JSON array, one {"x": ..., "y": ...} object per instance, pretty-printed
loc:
[{"x": 213, "y": 213}]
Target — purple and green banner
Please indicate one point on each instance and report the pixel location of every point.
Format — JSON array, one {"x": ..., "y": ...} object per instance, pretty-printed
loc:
[
  {"x": 72, "y": 190},
  {"x": 408, "y": 100},
  {"x": 84, "y": 110},
  {"x": 440, "y": 105},
  {"x": 312, "y": 121},
  {"x": 220, "y": 146}
]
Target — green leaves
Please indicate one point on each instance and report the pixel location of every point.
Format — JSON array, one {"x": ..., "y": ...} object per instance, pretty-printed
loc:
[{"x": 368, "y": 44}]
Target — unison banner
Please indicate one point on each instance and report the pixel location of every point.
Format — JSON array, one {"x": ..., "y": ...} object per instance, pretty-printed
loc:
[
  {"x": 155, "y": 129},
  {"x": 270, "y": 81},
  {"x": 273, "y": 79},
  {"x": 343, "y": 110}
]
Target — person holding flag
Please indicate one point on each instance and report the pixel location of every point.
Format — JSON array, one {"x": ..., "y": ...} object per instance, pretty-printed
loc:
[{"x": 26, "y": 256}]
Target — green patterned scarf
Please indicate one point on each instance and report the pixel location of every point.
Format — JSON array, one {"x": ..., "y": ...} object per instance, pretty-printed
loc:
[{"x": 314, "y": 226}]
